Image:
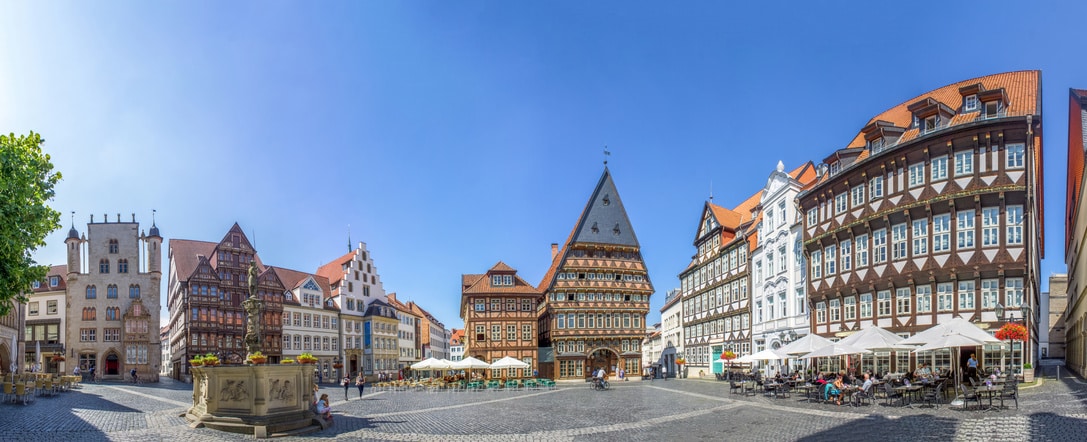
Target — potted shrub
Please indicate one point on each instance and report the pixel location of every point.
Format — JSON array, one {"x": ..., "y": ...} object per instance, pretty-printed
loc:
[
  {"x": 306, "y": 358},
  {"x": 286, "y": 361},
  {"x": 211, "y": 360},
  {"x": 257, "y": 358}
]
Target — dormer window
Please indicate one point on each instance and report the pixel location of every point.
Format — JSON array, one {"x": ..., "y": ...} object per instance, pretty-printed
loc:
[
  {"x": 835, "y": 167},
  {"x": 992, "y": 108},
  {"x": 970, "y": 103},
  {"x": 54, "y": 281},
  {"x": 931, "y": 124},
  {"x": 501, "y": 280},
  {"x": 876, "y": 145}
]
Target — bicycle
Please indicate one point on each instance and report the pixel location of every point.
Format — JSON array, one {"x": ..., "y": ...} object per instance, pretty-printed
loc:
[{"x": 600, "y": 384}]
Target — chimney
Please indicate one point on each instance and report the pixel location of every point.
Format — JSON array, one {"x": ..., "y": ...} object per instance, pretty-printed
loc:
[{"x": 554, "y": 251}]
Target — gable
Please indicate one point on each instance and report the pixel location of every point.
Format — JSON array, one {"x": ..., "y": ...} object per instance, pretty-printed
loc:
[
  {"x": 311, "y": 285},
  {"x": 604, "y": 220},
  {"x": 707, "y": 224}
]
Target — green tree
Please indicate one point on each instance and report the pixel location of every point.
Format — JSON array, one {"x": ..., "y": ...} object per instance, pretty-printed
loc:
[{"x": 26, "y": 183}]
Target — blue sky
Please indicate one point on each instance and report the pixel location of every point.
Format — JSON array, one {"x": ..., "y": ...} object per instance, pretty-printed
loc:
[{"x": 452, "y": 135}]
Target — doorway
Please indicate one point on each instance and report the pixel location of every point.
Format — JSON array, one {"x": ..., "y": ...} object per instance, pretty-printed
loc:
[
  {"x": 113, "y": 365},
  {"x": 603, "y": 357}
]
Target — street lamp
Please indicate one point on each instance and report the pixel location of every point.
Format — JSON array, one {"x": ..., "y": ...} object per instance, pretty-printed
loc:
[
  {"x": 785, "y": 339},
  {"x": 1024, "y": 310},
  {"x": 338, "y": 365}
]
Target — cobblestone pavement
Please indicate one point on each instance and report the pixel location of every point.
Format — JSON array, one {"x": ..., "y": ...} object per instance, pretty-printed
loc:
[{"x": 688, "y": 409}]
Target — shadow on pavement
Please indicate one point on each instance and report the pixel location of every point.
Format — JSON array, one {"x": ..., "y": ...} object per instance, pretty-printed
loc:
[{"x": 911, "y": 428}]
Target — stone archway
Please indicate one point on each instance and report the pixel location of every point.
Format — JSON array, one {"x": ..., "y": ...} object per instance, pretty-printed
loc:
[{"x": 603, "y": 357}]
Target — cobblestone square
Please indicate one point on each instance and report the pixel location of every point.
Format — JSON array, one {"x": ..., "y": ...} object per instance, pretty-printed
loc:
[{"x": 691, "y": 409}]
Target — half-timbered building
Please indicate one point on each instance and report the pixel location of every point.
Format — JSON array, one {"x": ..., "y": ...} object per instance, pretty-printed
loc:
[{"x": 499, "y": 312}]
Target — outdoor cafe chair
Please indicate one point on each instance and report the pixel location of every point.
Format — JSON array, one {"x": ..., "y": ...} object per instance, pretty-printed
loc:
[
  {"x": 932, "y": 396},
  {"x": 20, "y": 392},
  {"x": 861, "y": 396},
  {"x": 891, "y": 395},
  {"x": 734, "y": 387},
  {"x": 1010, "y": 392},
  {"x": 969, "y": 395},
  {"x": 9, "y": 392}
]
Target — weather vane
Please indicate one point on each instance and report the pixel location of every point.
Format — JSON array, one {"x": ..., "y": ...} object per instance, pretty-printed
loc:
[{"x": 606, "y": 155}]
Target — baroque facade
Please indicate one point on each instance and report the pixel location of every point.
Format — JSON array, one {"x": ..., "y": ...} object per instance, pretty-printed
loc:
[
  {"x": 311, "y": 321},
  {"x": 596, "y": 293},
  {"x": 933, "y": 210},
  {"x": 780, "y": 312},
  {"x": 499, "y": 312},
  {"x": 114, "y": 274}
]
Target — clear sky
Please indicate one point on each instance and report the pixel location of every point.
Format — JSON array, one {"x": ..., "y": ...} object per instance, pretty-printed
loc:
[{"x": 452, "y": 135}]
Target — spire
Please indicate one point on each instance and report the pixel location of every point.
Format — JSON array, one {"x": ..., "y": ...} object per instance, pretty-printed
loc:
[
  {"x": 154, "y": 229},
  {"x": 348, "y": 237},
  {"x": 606, "y": 155},
  {"x": 604, "y": 219},
  {"x": 73, "y": 233},
  {"x": 711, "y": 191}
]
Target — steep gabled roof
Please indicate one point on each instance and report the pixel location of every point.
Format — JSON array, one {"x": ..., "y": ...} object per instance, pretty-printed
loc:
[
  {"x": 604, "y": 188},
  {"x": 1077, "y": 140},
  {"x": 481, "y": 284},
  {"x": 186, "y": 253}
]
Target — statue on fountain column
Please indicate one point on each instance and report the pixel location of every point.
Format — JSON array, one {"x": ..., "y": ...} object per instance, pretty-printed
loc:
[{"x": 253, "y": 306}]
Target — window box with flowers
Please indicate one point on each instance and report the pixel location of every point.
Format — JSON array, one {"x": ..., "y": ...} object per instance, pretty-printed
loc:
[{"x": 306, "y": 358}]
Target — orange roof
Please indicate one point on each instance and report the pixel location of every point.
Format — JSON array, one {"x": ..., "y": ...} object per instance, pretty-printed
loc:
[
  {"x": 805, "y": 174},
  {"x": 1022, "y": 88},
  {"x": 726, "y": 217},
  {"x": 745, "y": 208},
  {"x": 186, "y": 255},
  {"x": 334, "y": 270}
]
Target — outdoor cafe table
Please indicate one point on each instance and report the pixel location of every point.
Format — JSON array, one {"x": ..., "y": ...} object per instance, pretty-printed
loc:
[
  {"x": 908, "y": 392},
  {"x": 807, "y": 388},
  {"x": 989, "y": 391}
]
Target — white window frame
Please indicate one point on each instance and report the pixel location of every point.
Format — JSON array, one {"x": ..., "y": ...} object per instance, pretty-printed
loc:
[
  {"x": 850, "y": 308},
  {"x": 967, "y": 295},
  {"x": 941, "y": 233},
  {"x": 835, "y": 311},
  {"x": 970, "y": 103},
  {"x": 857, "y": 195},
  {"x": 902, "y": 301},
  {"x": 883, "y": 303},
  {"x": 813, "y": 217},
  {"x": 817, "y": 264},
  {"x": 831, "y": 255},
  {"x": 847, "y": 255},
  {"x": 917, "y": 174},
  {"x": 920, "y": 237},
  {"x": 1014, "y": 221},
  {"x": 939, "y": 168},
  {"x": 866, "y": 305},
  {"x": 1013, "y": 292},
  {"x": 1014, "y": 156},
  {"x": 841, "y": 203},
  {"x": 990, "y": 226},
  {"x": 821, "y": 313},
  {"x": 945, "y": 297},
  {"x": 964, "y": 229},
  {"x": 861, "y": 245},
  {"x": 875, "y": 187},
  {"x": 899, "y": 241},
  {"x": 990, "y": 293},
  {"x": 964, "y": 163},
  {"x": 879, "y": 246},
  {"x": 924, "y": 298}
]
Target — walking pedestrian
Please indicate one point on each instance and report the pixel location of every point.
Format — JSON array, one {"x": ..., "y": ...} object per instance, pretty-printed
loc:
[
  {"x": 346, "y": 386},
  {"x": 664, "y": 372},
  {"x": 361, "y": 383}
]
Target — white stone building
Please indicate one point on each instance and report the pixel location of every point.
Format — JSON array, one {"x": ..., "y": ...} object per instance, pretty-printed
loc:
[
  {"x": 779, "y": 302},
  {"x": 353, "y": 284},
  {"x": 408, "y": 332},
  {"x": 310, "y": 320},
  {"x": 671, "y": 329}
]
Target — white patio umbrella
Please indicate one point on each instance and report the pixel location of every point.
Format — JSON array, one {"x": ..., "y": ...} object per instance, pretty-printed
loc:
[
  {"x": 835, "y": 349},
  {"x": 37, "y": 354},
  {"x": 806, "y": 344},
  {"x": 765, "y": 355},
  {"x": 876, "y": 339},
  {"x": 955, "y": 325},
  {"x": 14, "y": 353},
  {"x": 427, "y": 364},
  {"x": 944, "y": 333},
  {"x": 509, "y": 362},
  {"x": 469, "y": 363}
]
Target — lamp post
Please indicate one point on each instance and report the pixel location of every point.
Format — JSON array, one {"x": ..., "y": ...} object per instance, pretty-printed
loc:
[
  {"x": 337, "y": 365},
  {"x": 786, "y": 339},
  {"x": 1024, "y": 310}
]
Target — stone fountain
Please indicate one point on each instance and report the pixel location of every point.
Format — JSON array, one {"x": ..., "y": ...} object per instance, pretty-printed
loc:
[{"x": 257, "y": 399}]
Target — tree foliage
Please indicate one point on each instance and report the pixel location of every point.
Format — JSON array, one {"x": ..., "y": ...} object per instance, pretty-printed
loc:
[{"x": 26, "y": 184}]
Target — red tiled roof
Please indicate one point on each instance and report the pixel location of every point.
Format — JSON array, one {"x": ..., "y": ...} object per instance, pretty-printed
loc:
[
  {"x": 502, "y": 267},
  {"x": 1022, "y": 88},
  {"x": 482, "y": 285},
  {"x": 334, "y": 270},
  {"x": 745, "y": 208},
  {"x": 186, "y": 254},
  {"x": 727, "y": 218},
  {"x": 61, "y": 272}
]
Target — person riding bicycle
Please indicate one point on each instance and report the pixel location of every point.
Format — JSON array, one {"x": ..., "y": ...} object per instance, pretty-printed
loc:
[
  {"x": 134, "y": 377},
  {"x": 598, "y": 377}
]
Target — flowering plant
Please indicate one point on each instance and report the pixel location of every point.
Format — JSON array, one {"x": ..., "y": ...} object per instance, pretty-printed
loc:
[
  {"x": 681, "y": 361},
  {"x": 728, "y": 355},
  {"x": 257, "y": 358},
  {"x": 1012, "y": 331},
  {"x": 58, "y": 358},
  {"x": 306, "y": 358},
  {"x": 286, "y": 361}
]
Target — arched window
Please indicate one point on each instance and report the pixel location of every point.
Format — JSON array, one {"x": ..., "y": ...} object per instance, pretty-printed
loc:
[
  {"x": 134, "y": 291},
  {"x": 103, "y": 265},
  {"x": 122, "y": 266},
  {"x": 111, "y": 291},
  {"x": 113, "y": 246},
  {"x": 89, "y": 314},
  {"x": 92, "y": 292},
  {"x": 113, "y": 313}
]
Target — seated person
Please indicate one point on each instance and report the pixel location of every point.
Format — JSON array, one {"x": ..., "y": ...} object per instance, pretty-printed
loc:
[
  {"x": 323, "y": 408},
  {"x": 834, "y": 390}
]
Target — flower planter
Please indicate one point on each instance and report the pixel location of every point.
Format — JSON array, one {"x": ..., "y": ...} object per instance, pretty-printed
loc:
[{"x": 258, "y": 361}]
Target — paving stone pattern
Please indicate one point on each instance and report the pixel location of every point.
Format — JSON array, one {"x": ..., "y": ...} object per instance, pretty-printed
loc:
[{"x": 690, "y": 409}]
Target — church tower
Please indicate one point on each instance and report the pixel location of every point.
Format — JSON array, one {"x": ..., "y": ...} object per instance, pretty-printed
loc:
[{"x": 597, "y": 293}]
